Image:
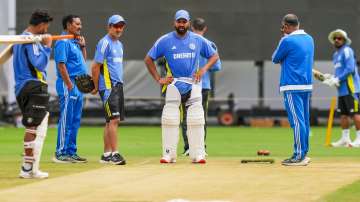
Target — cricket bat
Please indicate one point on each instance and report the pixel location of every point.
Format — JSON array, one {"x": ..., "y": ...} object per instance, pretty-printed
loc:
[
  {"x": 6, "y": 54},
  {"x": 318, "y": 75},
  {"x": 22, "y": 39}
]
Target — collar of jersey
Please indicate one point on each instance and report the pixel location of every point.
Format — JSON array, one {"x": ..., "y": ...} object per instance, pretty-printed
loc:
[
  {"x": 181, "y": 38},
  {"x": 299, "y": 31}
]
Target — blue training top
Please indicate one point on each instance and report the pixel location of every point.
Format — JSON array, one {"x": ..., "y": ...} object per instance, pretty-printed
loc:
[
  {"x": 295, "y": 53},
  {"x": 109, "y": 52},
  {"x": 68, "y": 51},
  {"x": 346, "y": 71},
  {"x": 30, "y": 62},
  {"x": 206, "y": 83},
  {"x": 182, "y": 55}
]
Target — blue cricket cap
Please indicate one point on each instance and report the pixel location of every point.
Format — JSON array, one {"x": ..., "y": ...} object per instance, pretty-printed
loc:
[
  {"x": 116, "y": 19},
  {"x": 182, "y": 14}
]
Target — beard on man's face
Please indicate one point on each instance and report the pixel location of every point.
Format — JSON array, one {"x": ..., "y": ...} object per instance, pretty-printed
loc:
[{"x": 181, "y": 30}]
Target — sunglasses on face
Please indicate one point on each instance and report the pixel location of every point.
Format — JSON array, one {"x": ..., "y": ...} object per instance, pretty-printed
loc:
[
  {"x": 118, "y": 26},
  {"x": 338, "y": 38}
]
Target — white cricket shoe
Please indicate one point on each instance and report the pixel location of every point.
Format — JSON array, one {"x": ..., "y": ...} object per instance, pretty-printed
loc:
[
  {"x": 29, "y": 174},
  {"x": 199, "y": 159},
  {"x": 40, "y": 174},
  {"x": 25, "y": 174},
  {"x": 167, "y": 159},
  {"x": 341, "y": 143},
  {"x": 356, "y": 143},
  {"x": 307, "y": 159}
]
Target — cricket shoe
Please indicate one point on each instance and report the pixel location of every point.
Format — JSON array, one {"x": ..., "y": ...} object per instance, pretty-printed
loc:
[
  {"x": 28, "y": 174},
  {"x": 106, "y": 159},
  {"x": 77, "y": 159},
  {"x": 307, "y": 159},
  {"x": 40, "y": 174},
  {"x": 117, "y": 159},
  {"x": 341, "y": 143},
  {"x": 199, "y": 159},
  {"x": 295, "y": 162},
  {"x": 167, "y": 159},
  {"x": 25, "y": 174},
  {"x": 356, "y": 143},
  {"x": 62, "y": 159}
]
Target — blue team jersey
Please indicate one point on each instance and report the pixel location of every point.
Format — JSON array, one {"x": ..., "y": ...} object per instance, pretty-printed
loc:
[
  {"x": 182, "y": 55},
  {"x": 30, "y": 62},
  {"x": 295, "y": 52},
  {"x": 206, "y": 83},
  {"x": 109, "y": 53},
  {"x": 346, "y": 71},
  {"x": 68, "y": 51}
]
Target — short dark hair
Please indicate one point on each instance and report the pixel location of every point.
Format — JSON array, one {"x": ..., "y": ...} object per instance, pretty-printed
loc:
[
  {"x": 199, "y": 24},
  {"x": 40, "y": 16},
  {"x": 68, "y": 19},
  {"x": 291, "y": 19}
]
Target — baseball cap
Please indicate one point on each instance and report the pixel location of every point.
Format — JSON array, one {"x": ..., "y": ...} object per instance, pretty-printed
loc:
[
  {"x": 182, "y": 14},
  {"x": 116, "y": 19}
]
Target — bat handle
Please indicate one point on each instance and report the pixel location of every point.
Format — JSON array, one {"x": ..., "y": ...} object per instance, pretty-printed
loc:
[{"x": 59, "y": 37}]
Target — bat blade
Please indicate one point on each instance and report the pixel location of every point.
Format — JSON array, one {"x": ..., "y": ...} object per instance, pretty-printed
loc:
[
  {"x": 21, "y": 39},
  {"x": 6, "y": 54}
]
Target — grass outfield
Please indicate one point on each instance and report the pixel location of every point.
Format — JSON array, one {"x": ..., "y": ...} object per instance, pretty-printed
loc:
[{"x": 140, "y": 141}]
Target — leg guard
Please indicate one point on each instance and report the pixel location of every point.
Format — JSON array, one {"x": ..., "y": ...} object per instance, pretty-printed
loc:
[
  {"x": 195, "y": 122},
  {"x": 170, "y": 121},
  {"x": 41, "y": 131}
]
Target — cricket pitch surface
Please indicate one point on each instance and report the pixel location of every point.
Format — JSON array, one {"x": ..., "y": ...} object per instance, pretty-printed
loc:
[{"x": 221, "y": 180}]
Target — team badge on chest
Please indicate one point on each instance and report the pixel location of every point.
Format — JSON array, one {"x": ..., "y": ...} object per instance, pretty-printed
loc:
[{"x": 192, "y": 46}]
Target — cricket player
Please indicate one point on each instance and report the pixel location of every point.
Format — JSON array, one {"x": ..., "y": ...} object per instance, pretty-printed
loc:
[
  {"x": 347, "y": 81},
  {"x": 107, "y": 72},
  {"x": 182, "y": 50},
  {"x": 70, "y": 56},
  {"x": 199, "y": 26},
  {"x": 295, "y": 53},
  {"x": 30, "y": 62}
]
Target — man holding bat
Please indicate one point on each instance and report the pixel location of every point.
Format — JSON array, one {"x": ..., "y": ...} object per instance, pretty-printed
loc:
[
  {"x": 30, "y": 62},
  {"x": 70, "y": 56},
  {"x": 347, "y": 81}
]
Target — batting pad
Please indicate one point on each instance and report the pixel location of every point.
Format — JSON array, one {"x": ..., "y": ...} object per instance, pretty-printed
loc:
[
  {"x": 170, "y": 121},
  {"x": 195, "y": 124},
  {"x": 41, "y": 131}
]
